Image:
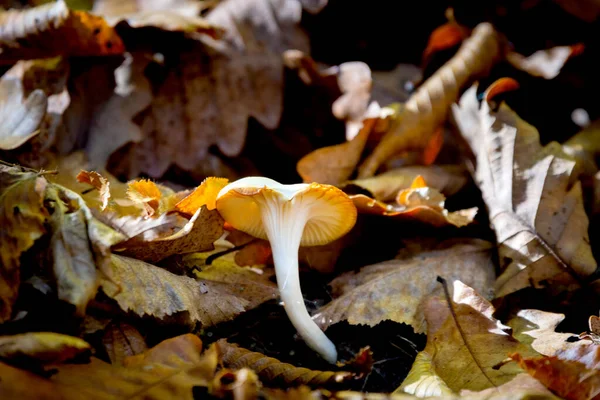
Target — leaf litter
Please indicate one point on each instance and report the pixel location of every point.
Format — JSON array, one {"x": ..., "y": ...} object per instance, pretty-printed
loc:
[{"x": 467, "y": 275}]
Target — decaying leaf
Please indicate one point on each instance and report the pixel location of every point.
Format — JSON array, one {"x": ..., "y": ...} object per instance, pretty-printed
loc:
[
  {"x": 80, "y": 247},
  {"x": 197, "y": 235},
  {"x": 396, "y": 289},
  {"x": 465, "y": 346},
  {"x": 448, "y": 179},
  {"x": 122, "y": 340},
  {"x": 40, "y": 32},
  {"x": 276, "y": 372},
  {"x": 534, "y": 206},
  {"x": 205, "y": 194},
  {"x": 22, "y": 217},
  {"x": 100, "y": 183},
  {"x": 149, "y": 290},
  {"x": 545, "y": 63},
  {"x": 428, "y": 108},
  {"x": 41, "y": 347}
]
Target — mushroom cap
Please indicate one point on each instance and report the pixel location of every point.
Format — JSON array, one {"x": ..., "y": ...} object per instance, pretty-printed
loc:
[{"x": 329, "y": 212}]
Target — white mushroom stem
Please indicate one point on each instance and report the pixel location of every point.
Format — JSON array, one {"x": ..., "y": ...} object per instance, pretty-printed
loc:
[{"x": 284, "y": 224}]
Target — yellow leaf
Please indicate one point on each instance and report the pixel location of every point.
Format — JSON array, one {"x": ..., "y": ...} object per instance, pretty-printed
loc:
[
  {"x": 41, "y": 347},
  {"x": 205, "y": 194},
  {"x": 22, "y": 218},
  {"x": 145, "y": 193}
]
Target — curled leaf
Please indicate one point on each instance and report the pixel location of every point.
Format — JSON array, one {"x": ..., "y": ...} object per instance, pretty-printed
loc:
[
  {"x": 276, "y": 372},
  {"x": 41, "y": 347},
  {"x": 205, "y": 194},
  {"x": 122, "y": 340},
  {"x": 100, "y": 183},
  {"x": 146, "y": 194}
]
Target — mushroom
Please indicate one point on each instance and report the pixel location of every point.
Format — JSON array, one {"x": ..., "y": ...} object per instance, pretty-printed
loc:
[{"x": 290, "y": 216}]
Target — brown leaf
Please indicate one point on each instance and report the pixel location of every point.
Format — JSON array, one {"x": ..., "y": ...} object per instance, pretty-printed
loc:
[
  {"x": 22, "y": 217},
  {"x": 545, "y": 63},
  {"x": 205, "y": 194},
  {"x": 211, "y": 90},
  {"x": 80, "y": 247},
  {"x": 100, "y": 183},
  {"x": 41, "y": 347},
  {"x": 535, "y": 207},
  {"x": 396, "y": 289},
  {"x": 149, "y": 290},
  {"x": 428, "y": 108},
  {"x": 448, "y": 179},
  {"x": 40, "y": 32},
  {"x": 464, "y": 347},
  {"x": 275, "y": 372},
  {"x": 122, "y": 340},
  {"x": 197, "y": 235}
]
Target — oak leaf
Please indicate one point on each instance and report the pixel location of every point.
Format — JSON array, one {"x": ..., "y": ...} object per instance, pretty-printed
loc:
[
  {"x": 198, "y": 234},
  {"x": 41, "y": 347},
  {"x": 396, "y": 289},
  {"x": 274, "y": 372},
  {"x": 22, "y": 216},
  {"x": 467, "y": 344},
  {"x": 40, "y": 32},
  {"x": 148, "y": 290},
  {"x": 535, "y": 208}
]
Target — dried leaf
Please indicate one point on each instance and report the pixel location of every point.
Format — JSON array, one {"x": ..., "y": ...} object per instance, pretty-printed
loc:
[
  {"x": 537, "y": 329},
  {"x": 536, "y": 211},
  {"x": 122, "y": 340},
  {"x": 242, "y": 384},
  {"x": 396, "y": 289},
  {"x": 205, "y": 194},
  {"x": 41, "y": 347},
  {"x": 422, "y": 380},
  {"x": 100, "y": 183},
  {"x": 276, "y": 372},
  {"x": 444, "y": 37},
  {"x": 22, "y": 217},
  {"x": 149, "y": 290},
  {"x": 428, "y": 108},
  {"x": 545, "y": 63},
  {"x": 39, "y": 32},
  {"x": 197, "y": 235},
  {"x": 146, "y": 194},
  {"x": 465, "y": 346},
  {"x": 80, "y": 247}
]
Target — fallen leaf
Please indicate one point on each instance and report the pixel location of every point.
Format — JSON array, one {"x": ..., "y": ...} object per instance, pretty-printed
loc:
[
  {"x": 197, "y": 235},
  {"x": 145, "y": 193},
  {"x": 21, "y": 114},
  {"x": 422, "y": 380},
  {"x": 545, "y": 63},
  {"x": 448, "y": 179},
  {"x": 537, "y": 329},
  {"x": 39, "y": 32},
  {"x": 100, "y": 183},
  {"x": 429, "y": 106},
  {"x": 444, "y": 37},
  {"x": 205, "y": 194},
  {"x": 275, "y": 372},
  {"x": 522, "y": 386},
  {"x": 22, "y": 216},
  {"x": 534, "y": 207},
  {"x": 80, "y": 247},
  {"x": 242, "y": 384},
  {"x": 585, "y": 148},
  {"x": 148, "y": 290},
  {"x": 395, "y": 290},
  {"x": 41, "y": 347},
  {"x": 464, "y": 346},
  {"x": 122, "y": 340}
]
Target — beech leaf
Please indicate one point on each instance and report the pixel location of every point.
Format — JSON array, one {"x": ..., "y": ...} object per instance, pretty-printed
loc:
[
  {"x": 396, "y": 289},
  {"x": 22, "y": 217},
  {"x": 276, "y": 372},
  {"x": 41, "y": 347},
  {"x": 148, "y": 290},
  {"x": 534, "y": 208}
]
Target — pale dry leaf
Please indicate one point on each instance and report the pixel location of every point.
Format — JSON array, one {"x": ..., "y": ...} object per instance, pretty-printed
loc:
[
  {"x": 276, "y": 372},
  {"x": 198, "y": 234},
  {"x": 466, "y": 346},
  {"x": 395, "y": 290},
  {"x": 422, "y": 380},
  {"x": 41, "y": 347},
  {"x": 544, "y": 63},
  {"x": 535, "y": 208},
  {"x": 149, "y": 290},
  {"x": 429, "y": 106},
  {"x": 22, "y": 217},
  {"x": 39, "y": 32}
]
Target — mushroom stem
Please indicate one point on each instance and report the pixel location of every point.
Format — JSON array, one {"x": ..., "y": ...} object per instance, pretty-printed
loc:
[{"x": 284, "y": 227}]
